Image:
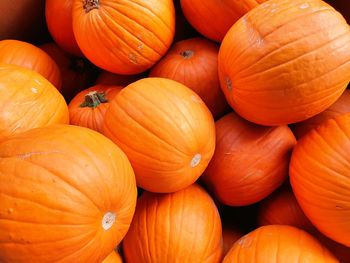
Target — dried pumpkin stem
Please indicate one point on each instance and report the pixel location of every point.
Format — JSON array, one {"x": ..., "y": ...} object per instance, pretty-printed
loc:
[
  {"x": 93, "y": 99},
  {"x": 187, "y": 54},
  {"x": 90, "y": 4}
]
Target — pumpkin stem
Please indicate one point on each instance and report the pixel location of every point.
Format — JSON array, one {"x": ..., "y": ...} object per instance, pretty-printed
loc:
[
  {"x": 90, "y": 4},
  {"x": 93, "y": 99},
  {"x": 187, "y": 54}
]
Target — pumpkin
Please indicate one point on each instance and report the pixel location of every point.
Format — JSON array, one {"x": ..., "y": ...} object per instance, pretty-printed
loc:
[
  {"x": 214, "y": 18},
  {"x": 59, "y": 22},
  {"x": 271, "y": 77},
  {"x": 26, "y": 55},
  {"x": 342, "y": 105},
  {"x": 194, "y": 63},
  {"x": 250, "y": 161},
  {"x": 28, "y": 101},
  {"x": 88, "y": 107},
  {"x": 113, "y": 257},
  {"x": 127, "y": 37},
  {"x": 77, "y": 73},
  {"x": 229, "y": 235},
  {"x": 166, "y": 131},
  {"x": 67, "y": 194},
  {"x": 320, "y": 177},
  {"x": 282, "y": 208},
  {"x": 277, "y": 244},
  {"x": 109, "y": 78},
  {"x": 183, "y": 227}
]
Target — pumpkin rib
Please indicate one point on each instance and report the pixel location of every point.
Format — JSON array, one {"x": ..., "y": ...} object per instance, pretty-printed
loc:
[{"x": 36, "y": 223}]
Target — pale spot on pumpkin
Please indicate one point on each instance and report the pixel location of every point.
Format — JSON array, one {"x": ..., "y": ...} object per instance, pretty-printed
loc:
[
  {"x": 245, "y": 241},
  {"x": 140, "y": 47},
  {"x": 228, "y": 84},
  {"x": 138, "y": 36},
  {"x": 34, "y": 90},
  {"x": 108, "y": 220},
  {"x": 303, "y": 6},
  {"x": 38, "y": 82},
  {"x": 133, "y": 58},
  {"x": 196, "y": 99},
  {"x": 196, "y": 160}
]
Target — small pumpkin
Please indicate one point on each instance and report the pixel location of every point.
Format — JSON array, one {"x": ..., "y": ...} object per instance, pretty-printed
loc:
[
  {"x": 183, "y": 227},
  {"x": 88, "y": 107},
  {"x": 341, "y": 106},
  {"x": 166, "y": 131},
  {"x": 277, "y": 244},
  {"x": 273, "y": 78},
  {"x": 68, "y": 194},
  {"x": 28, "y": 101},
  {"x": 127, "y": 37},
  {"x": 113, "y": 257},
  {"x": 250, "y": 161},
  {"x": 320, "y": 177},
  {"x": 194, "y": 63},
  {"x": 26, "y": 55}
]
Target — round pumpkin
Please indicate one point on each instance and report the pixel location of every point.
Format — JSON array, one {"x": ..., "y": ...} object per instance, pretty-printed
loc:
[
  {"x": 194, "y": 63},
  {"x": 183, "y": 227},
  {"x": 166, "y": 131},
  {"x": 127, "y": 37},
  {"x": 68, "y": 194},
  {"x": 341, "y": 106},
  {"x": 213, "y": 18},
  {"x": 109, "y": 78},
  {"x": 88, "y": 107},
  {"x": 285, "y": 61},
  {"x": 320, "y": 177},
  {"x": 28, "y": 101},
  {"x": 59, "y": 22},
  {"x": 113, "y": 257},
  {"x": 26, "y": 55},
  {"x": 278, "y": 244},
  {"x": 250, "y": 161}
]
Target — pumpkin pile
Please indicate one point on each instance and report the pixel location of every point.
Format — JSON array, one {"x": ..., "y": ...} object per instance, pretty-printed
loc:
[{"x": 166, "y": 131}]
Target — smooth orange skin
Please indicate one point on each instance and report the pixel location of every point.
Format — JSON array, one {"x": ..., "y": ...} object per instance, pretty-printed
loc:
[
  {"x": 161, "y": 125},
  {"x": 285, "y": 61},
  {"x": 229, "y": 235},
  {"x": 199, "y": 73},
  {"x": 184, "y": 226},
  {"x": 125, "y": 37},
  {"x": 320, "y": 177},
  {"x": 213, "y": 18},
  {"x": 56, "y": 185},
  {"x": 341, "y": 106},
  {"x": 28, "y": 101},
  {"x": 91, "y": 117},
  {"x": 250, "y": 161},
  {"x": 59, "y": 22},
  {"x": 26, "y": 55},
  {"x": 278, "y": 244},
  {"x": 109, "y": 78},
  {"x": 113, "y": 257}
]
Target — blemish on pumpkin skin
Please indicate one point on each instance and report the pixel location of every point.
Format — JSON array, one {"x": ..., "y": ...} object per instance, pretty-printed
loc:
[
  {"x": 245, "y": 241},
  {"x": 228, "y": 84},
  {"x": 304, "y": 6},
  {"x": 34, "y": 90},
  {"x": 196, "y": 99},
  {"x": 133, "y": 58},
  {"x": 140, "y": 47},
  {"x": 34, "y": 153}
]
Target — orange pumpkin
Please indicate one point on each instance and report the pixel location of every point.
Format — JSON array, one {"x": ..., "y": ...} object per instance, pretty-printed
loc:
[
  {"x": 28, "y": 101},
  {"x": 166, "y": 131},
  {"x": 194, "y": 63},
  {"x": 250, "y": 161},
  {"x": 320, "y": 177},
  {"x": 26, "y": 55},
  {"x": 278, "y": 244},
  {"x": 341, "y": 106},
  {"x": 285, "y": 61},
  {"x": 213, "y": 18},
  {"x": 127, "y": 37},
  {"x": 229, "y": 236},
  {"x": 88, "y": 107},
  {"x": 68, "y": 194},
  {"x": 59, "y": 22},
  {"x": 109, "y": 78},
  {"x": 113, "y": 257},
  {"x": 182, "y": 227}
]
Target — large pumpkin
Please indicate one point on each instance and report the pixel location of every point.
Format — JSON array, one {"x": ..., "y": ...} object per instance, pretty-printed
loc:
[
  {"x": 182, "y": 227},
  {"x": 88, "y": 107},
  {"x": 59, "y": 22},
  {"x": 278, "y": 244},
  {"x": 213, "y": 18},
  {"x": 250, "y": 161},
  {"x": 26, "y": 55},
  {"x": 125, "y": 37},
  {"x": 166, "y": 131},
  {"x": 341, "y": 106},
  {"x": 67, "y": 194},
  {"x": 194, "y": 63},
  {"x": 285, "y": 61},
  {"x": 320, "y": 177},
  {"x": 28, "y": 101}
]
